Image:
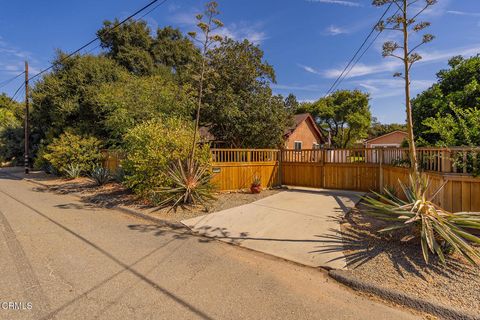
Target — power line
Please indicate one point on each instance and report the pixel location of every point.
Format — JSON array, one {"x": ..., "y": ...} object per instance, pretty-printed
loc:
[
  {"x": 17, "y": 91},
  {"x": 360, "y": 57},
  {"x": 6, "y": 82},
  {"x": 358, "y": 51},
  {"x": 98, "y": 38},
  {"x": 93, "y": 40}
]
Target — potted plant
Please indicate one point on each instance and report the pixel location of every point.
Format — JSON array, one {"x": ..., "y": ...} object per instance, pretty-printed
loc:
[{"x": 256, "y": 186}]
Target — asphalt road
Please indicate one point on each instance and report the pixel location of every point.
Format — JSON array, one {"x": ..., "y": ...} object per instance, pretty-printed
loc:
[{"x": 64, "y": 259}]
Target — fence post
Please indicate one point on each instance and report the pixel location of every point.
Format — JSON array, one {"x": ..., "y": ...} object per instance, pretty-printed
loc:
[
  {"x": 279, "y": 162},
  {"x": 446, "y": 161},
  {"x": 380, "y": 156}
]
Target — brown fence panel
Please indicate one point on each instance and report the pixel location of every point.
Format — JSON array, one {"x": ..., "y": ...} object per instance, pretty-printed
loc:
[
  {"x": 303, "y": 174},
  {"x": 358, "y": 176},
  {"x": 235, "y": 169},
  {"x": 460, "y": 192}
]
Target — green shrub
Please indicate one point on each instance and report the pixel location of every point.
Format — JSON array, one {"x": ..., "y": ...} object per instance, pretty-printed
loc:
[
  {"x": 71, "y": 149},
  {"x": 151, "y": 148}
]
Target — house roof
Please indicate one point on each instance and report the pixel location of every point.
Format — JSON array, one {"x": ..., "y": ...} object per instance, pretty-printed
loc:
[
  {"x": 205, "y": 134},
  {"x": 298, "y": 119},
  {"x": 386, "y": 135}
]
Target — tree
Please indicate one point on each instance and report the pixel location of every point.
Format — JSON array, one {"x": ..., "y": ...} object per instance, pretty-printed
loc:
[
  {"x": 379, "y": 129},
  {"x": 291, "y": 102},
  {"x": 125, "y": 103},
  {"x": 129, "y": 44},
  {"x": 133, "y": 47},
  {"x": 11, "y": 129},
  {"x": 459, "y": 128},
  {"x": 456, "y": 90},
  {"x": 242, "y": 110},
  {"x": 175, "y": 51},
  {"x": 64, "y": 98},
  {"x": 208, "y": 24},
  {"x": 406, "y": 23},
  {"x": 11, "y": 112},
  {"x": 344, "y": 114}
]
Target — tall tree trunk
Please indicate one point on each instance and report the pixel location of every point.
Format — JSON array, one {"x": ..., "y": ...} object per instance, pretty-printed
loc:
[{"x": 411, "y": 141}]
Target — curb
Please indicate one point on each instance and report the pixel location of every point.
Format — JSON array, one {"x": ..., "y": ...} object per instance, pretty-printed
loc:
[
  {"x": 439, "y": 310},
  {"x": 123, "y": 209}
]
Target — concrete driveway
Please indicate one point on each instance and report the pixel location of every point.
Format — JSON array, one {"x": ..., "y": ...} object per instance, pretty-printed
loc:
[
  {"x": 297, "y": 225},
  {"x": 72, "y": 260}
]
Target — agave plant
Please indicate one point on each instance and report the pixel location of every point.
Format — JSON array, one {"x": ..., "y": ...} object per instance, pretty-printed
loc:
[
  {"x": 191, "y": 185},
  {"x": 100, "y": 175},
  {"x": 73, "y": 171},
  {"x": 437, "y": 229}
]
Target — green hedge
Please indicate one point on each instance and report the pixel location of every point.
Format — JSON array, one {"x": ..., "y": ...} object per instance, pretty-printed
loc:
[
  {"x": 150, "y": 150},
  {"x": 72, "y": 149}
]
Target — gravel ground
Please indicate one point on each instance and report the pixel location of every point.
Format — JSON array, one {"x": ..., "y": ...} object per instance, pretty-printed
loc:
[
  {"x": 390, "y": 262},
  {"x": 114, "y": 194}
]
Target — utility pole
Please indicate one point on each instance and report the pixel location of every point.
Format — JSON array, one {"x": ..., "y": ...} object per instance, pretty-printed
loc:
[{"x": 26, "y": 137}]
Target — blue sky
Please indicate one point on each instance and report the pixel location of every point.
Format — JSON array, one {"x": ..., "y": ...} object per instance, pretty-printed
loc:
[{"x": 307, "y": 41}]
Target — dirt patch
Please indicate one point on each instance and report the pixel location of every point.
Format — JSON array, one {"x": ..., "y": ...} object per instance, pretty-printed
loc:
[
  {"x": 388, "y": 262},
  {"x": 114, "y": 194}
]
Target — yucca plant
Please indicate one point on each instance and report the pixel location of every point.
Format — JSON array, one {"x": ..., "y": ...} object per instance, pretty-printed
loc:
[
  {"x": 72, "y": 171},
  {"x": 191, "y": 185},
  {"x": 439, "y": 231},
  {"x": 100, "y": 175}
]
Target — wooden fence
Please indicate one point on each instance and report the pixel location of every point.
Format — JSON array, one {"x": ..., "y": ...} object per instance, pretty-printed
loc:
[
  {"x": 355, "y": 169},
  {"x": 236, "y": 169},
  {"x": 349, "y": 169}
]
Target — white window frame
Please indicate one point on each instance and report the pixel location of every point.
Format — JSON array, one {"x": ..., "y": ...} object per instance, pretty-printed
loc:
[{"x": 295, "y": 145}]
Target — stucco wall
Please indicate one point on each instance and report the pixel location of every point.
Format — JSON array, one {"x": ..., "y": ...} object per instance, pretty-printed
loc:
[
  {"x": 304, "y": 133},
  {"x": 396, "y": 138}
]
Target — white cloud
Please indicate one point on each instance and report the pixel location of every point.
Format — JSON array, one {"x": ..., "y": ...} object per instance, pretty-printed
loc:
[
  {"x": 392, "y": 64},
  {"x": 339, "y": 2},
  {"x": 387, "y": 88},
  {"x": 309, "y": 69},
  {"x": 462, "y": 13},
  {"x": 237, "y": 31},
  {"x": 241, "y": 31},
  {"x": 334, "y": 30}
]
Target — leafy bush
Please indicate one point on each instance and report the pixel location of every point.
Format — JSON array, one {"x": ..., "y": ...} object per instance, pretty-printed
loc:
[
  {"x": 150, "y": 150},
  {"x": 72, "y": 171},
  {"x": 100, "y": 175},
  {"x": 438, "y": 231},
  {"x": 71, "y": 149}
]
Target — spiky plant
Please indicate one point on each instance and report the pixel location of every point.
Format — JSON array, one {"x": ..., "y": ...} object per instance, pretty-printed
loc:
[
  {"x": 73, "y": 171},
  {"x": 437, "y": 229},
  {"x": 100, "y": 175},
  {"x": 191, "y": 185}
]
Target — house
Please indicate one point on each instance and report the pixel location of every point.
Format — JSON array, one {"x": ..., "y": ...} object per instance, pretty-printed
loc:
[
  {"x": 390, "y": 140},
  {"x": 304, "y": 134},
  {"x": 207, "y": 137}
]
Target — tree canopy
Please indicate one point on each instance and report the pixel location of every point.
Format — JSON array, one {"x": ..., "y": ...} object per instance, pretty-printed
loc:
[
  {"x": 379, "y": 129},
  {"x": 345, "y": 114},
  {"x": 132, "y": 46},
  {"x": 453, "y": 101},
  {"x": 240, "y": 108}
]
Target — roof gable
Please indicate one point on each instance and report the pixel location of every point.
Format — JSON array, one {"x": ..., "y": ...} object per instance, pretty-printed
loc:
[
  {"x": 386, "y": 135},
  {"x": 299, "y": 119}
]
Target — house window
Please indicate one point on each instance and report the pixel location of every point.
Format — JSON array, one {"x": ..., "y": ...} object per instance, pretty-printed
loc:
[
  {"x": 316, "y": 145},
  {"x": 298, "y": 145}
]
